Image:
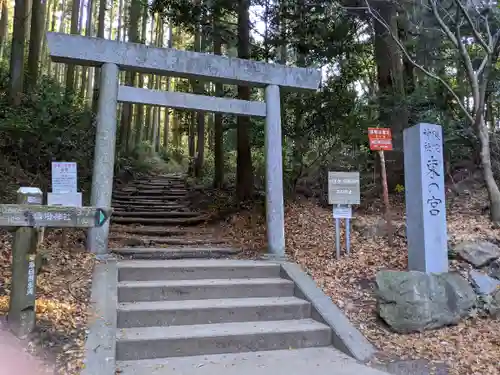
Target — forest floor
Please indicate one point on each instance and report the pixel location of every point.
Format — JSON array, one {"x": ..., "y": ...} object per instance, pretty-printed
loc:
[
  {"x": 470, "y": 348},
  {"x": 63, "y": 295}
]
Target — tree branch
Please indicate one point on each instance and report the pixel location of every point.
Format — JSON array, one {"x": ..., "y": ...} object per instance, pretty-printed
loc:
[
  {"x": 473, "y": 78},
  {"x": 475, "y": 32},
  {"x": 376, "y": 16},
  {"x": 443, "y": 25}
]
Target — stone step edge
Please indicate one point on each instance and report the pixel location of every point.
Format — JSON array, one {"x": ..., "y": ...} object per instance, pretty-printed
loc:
[{"x": 218, "y": 330}]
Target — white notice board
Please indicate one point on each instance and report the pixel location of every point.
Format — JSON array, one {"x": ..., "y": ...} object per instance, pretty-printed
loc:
[
  {"x": 342, "y": 212},
  {"x": 64, "y": 177}
]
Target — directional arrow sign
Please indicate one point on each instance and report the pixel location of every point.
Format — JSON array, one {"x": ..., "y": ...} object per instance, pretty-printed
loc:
[
  {"x": 18, "y": 215},
  {"x": 100, "y": 217}
]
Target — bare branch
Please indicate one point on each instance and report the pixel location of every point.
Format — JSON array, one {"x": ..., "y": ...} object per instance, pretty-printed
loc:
[
  {"x": 475, "y": 32},
  {"x": 443, "y": 26},
  {"x": 480, "y": 70},
  {"x": 467, "y": 61},
  {"x": 488, "y": 32},
  {"x": 376, "y": 16}
]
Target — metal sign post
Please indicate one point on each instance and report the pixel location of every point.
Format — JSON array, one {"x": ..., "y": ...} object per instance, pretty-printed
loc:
[
  {"x": 342, "y": 212},
  {"x": 25, "y": 218},
  {"x": 343, "y": 192}
]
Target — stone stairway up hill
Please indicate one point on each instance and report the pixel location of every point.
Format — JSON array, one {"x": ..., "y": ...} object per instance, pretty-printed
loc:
[
  {"x": 176, "y": 316},
  {"x": 153, "y": 217}
]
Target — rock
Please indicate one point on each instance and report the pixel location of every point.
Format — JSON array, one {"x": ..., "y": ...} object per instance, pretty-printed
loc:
[
  {"x": 494, "y": 307},
  {"x": 370, "y": 229},
  {"x": 415, "y": 301},
  {"x": 483, "y": 283},
  {"x": 414, "y": 367},
  {"x": 494, "y": 269},
  {"x": 478, "y": 253}
]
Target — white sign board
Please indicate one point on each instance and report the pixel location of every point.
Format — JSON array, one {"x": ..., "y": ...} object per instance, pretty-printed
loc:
[
  {"x": 342, "y": 212},
  {"x": 64, "y": 178},
  {"x": 64, "y": 199}
]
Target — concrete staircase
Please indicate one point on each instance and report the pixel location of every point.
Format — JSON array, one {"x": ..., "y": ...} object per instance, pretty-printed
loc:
[{"x": 203, "y": 317}]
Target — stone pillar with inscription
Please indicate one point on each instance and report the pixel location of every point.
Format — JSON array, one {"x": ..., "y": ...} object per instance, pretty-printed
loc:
[
  {"x": 21, "y": 317},
  {"x": 425, "y": 199}
]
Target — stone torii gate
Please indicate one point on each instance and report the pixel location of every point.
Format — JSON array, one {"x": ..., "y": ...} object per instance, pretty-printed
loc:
[{"x": 114, "y": 56}]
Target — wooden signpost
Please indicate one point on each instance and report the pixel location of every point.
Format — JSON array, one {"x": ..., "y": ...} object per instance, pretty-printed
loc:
[
  {"x": 381, "y": 140},
  {"x": 343, "y": 192},
  {"x": 27, "y": 217}
]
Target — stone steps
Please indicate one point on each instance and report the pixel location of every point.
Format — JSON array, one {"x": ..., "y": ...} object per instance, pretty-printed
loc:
[
  {"x": 150, "y": 207},
  {"x": 156, "y": 214},
  {"x": 176, "y": 317},
  {"x": 181, "y": 341},
  {"x": 160, "y": 220},
  {"x": 183, "y": 308},
  {"x": 146, "y": 191},
  {"x": 156, "y": 231},
  {"x": 231, "y": 310},
  {"x": 146, "y": 197},
  {"x": 178, "y": 290},
  {"x": 307, "y": 361},
  {"x": 179, "y": 252},
  {"x": 155, "y": 200},
  {"x": 177, "y": 241},
  {"x": 140, "y": 270}
]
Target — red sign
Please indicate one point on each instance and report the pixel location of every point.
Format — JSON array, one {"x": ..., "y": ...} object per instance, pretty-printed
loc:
[{"x": 380, "y": 139}]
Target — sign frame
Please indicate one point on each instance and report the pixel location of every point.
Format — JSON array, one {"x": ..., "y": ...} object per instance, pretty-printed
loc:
[
  {"x": 380, "y": 139},
  {"x": 344, "y": 188},
  {"x": 22, "y": 215},
  {"x": 64, "y": 177},
  {"x": 342, "y": 212}
]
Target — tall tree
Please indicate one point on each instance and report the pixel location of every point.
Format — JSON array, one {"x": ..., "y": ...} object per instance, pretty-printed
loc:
[
  {"x": 86, "y": 84},
  {"x": 71, "y": 68},
  {"x": 100, "y": 34},
  {"x": 37, "y": 31},
  {"x": 219, "y": 92},
  {"x": 166, "y": 124},
  {"x": 244, "y": 169},
  {"x": 27, "y": 19},
  {"x": 392, "y": 107},
  {"x": 139, "y": 125},
  {"x": 4, "y": 26},
  {"x": 17, "y": 53},
  {"x": 127, "y": 109},
  {"x": 62, "y": 20},
  {"x": 150, "y": 85},
  {"x": 197, "y": 85}
]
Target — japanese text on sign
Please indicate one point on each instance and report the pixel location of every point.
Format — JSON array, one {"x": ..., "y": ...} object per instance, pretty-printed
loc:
[
  {"x": 342, "y": 212},
  {"x": 380, "y": 139},
  {"x": 64, "y": 177},
  {"x": 343, "y": 188},
  {"x": 30, "y": 288},
  {"x": 432, "y": 146}
]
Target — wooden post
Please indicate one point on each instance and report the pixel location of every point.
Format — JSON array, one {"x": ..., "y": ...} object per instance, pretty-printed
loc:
[
  {"x": 21, "y": 317},
  {"x": 385, "y": 194}
]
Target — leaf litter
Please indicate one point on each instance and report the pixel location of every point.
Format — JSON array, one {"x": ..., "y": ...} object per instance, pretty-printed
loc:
[
  {"x": 470, "y": 348},
  {"x": 63, "y": 295}
]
